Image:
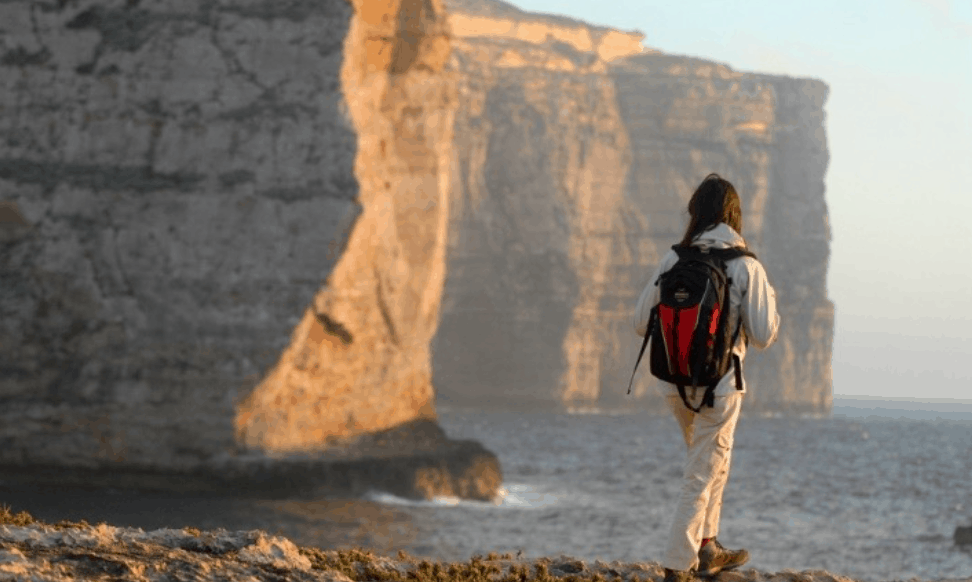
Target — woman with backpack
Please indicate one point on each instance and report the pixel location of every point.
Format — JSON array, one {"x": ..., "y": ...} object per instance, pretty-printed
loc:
[{"x": 703, "y": 364}]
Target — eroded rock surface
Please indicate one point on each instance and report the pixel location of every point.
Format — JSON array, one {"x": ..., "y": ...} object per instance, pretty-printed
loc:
[
  {"x": 224, "y": 229},
  {"x": 575, "y": 167},
  {"x": 43, "y": 552}
]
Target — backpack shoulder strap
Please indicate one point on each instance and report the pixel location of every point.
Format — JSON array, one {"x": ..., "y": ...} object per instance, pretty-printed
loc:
[
  {"x": 648, "y": 333},
  {"x": 723, "y": 254},
  {"x": 733, "y": 253},
  {"x": 683, "y": 252}
]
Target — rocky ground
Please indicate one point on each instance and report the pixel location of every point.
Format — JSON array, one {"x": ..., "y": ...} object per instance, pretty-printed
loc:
[
  {"x": 35, "y": 551},
  {"x": 41, "y": 552}
]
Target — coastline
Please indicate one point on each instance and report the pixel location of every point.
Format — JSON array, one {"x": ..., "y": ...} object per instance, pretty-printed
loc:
[
  {"x": 415, "y": 460},
  {"x": 70, "y": 551}
]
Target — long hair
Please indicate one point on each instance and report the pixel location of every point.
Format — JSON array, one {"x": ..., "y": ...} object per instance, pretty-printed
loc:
[{"x": 714, "y": 201}]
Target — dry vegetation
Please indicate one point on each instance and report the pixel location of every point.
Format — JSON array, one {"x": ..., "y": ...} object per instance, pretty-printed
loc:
[
  {"x": 8, "y": 517},
  {"x": 364, "y": 566}
]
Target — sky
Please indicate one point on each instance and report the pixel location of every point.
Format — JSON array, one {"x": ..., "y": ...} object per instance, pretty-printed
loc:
[{"x": 899, "y": 183}]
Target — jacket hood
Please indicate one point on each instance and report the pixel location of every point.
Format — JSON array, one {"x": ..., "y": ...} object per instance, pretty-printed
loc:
[{"x": 722, "y": 236}]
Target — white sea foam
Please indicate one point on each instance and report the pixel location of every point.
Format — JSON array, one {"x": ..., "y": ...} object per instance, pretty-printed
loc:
[
  {"x": 390, "y": 499},
  {"x": 526, "y": 496},
  {"x": 442, "y": 501},
  {"x": 512, "y": 496}
]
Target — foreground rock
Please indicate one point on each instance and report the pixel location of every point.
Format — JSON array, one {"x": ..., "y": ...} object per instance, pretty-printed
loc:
[
  {"x": 65, "y": 552},
  {"x": 222, "y": 238}
]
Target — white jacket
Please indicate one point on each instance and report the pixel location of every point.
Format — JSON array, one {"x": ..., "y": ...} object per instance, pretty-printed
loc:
[{"x": 750, "y": 291}]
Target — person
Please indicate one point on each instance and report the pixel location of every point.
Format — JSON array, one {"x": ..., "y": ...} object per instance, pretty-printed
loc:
[{"x": 715, "y": 221}]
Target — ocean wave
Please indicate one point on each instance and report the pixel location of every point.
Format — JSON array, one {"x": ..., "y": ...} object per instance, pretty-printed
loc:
[
  {"x": 527, "y": 496},
  {"x": 513, "y": 496}
]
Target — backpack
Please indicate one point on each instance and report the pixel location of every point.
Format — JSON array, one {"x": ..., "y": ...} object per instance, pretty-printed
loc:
[{"x": 689, "y": 329}]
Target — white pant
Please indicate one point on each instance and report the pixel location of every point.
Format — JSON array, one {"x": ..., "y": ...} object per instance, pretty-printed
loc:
[{"x": 709, "y": 435}]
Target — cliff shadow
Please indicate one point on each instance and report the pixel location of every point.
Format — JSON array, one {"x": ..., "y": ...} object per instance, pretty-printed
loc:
[{"x": 510, "y": 288}]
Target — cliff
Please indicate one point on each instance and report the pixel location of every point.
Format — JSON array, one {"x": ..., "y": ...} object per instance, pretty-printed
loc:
[
  {"x": 577, "y": 150},
  {"x": 225, "y": 230},
  {"x": 223, "y": 242}
]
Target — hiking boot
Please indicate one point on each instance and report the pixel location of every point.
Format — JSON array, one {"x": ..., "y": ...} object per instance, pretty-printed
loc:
[
  {"x": 679, "y": 575},
  {"x": 713, "y": 558}
]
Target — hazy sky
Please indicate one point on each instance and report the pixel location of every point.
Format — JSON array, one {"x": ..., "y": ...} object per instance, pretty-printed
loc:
[{"x": 899, "y": 184}]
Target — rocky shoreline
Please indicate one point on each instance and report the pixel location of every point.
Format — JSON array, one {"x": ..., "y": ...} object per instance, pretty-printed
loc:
[
  {"x": 31, "y": 550},
  {"x": 415, "y": 461}
]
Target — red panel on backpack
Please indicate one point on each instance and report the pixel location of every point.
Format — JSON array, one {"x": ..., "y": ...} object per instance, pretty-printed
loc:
[{"x": 678, "y": 328}]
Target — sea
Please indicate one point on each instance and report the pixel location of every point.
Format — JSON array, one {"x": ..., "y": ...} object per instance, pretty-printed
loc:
[{"x": 875, "y": 492}]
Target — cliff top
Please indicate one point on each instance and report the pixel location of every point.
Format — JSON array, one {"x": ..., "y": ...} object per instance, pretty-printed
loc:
[
  {"x": 71, "y": 551},
  {"x": 499, "y": 21},
  {"x": 500, "y": 9},
  {"x": 700, "y": 66},
  {"x": 635, "y": 54}
]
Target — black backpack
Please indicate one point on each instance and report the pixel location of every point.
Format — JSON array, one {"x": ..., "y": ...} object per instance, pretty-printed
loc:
[{"x": 689, "y": 329}]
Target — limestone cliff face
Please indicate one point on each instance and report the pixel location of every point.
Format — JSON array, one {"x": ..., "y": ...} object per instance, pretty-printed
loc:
[
  {"x": 535, "y": 219},
  {"x": 576, "y": 164},
  {"x": 226, "y": 225},
  {"x": 359, "y": 359}
]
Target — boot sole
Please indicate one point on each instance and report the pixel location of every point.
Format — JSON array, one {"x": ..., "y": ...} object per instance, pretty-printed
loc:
[{"x": 713, "y": 571}]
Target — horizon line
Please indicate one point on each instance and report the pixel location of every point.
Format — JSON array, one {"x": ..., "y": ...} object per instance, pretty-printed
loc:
[{"x": 903, "y": 399}]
